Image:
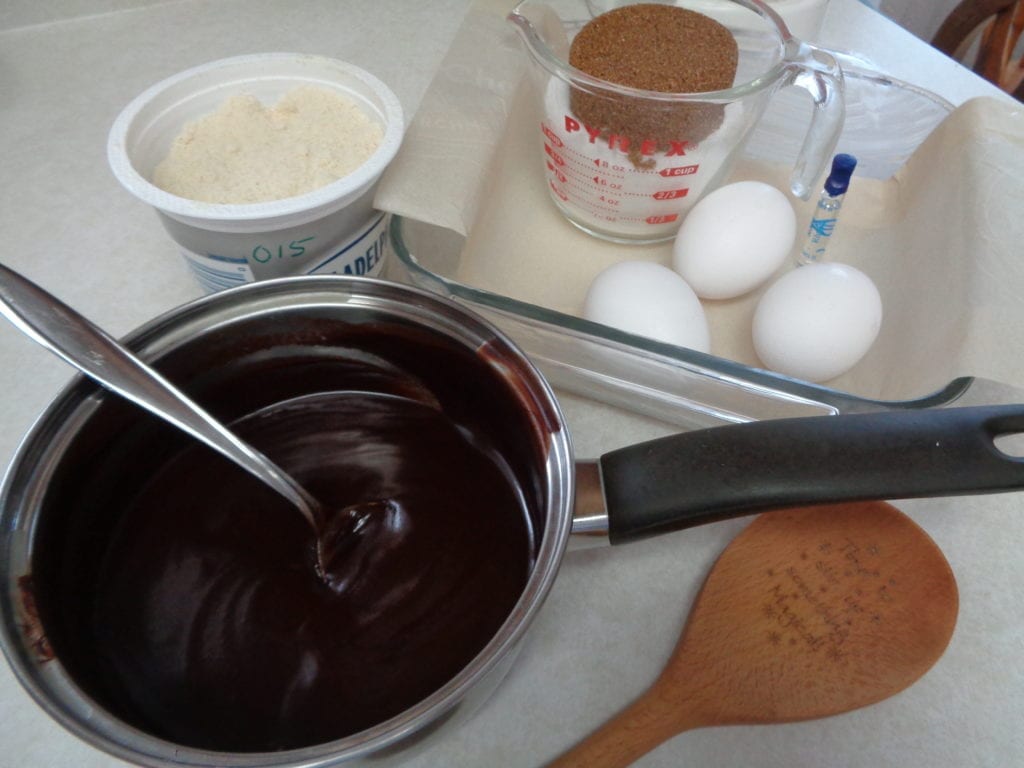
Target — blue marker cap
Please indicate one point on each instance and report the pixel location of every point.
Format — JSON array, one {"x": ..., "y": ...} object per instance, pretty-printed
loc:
[{"x": 839, "y": 179}]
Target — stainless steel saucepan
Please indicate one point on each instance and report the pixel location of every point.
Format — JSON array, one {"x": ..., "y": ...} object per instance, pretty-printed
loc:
[{"x": 223, "y": 349}]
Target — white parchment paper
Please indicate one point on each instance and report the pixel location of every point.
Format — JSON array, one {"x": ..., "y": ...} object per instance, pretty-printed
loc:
[{"x": 940, "y": 238}]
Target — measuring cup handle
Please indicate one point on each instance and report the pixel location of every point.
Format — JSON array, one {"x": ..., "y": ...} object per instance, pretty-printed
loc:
[{"x": 818, "y": 73}]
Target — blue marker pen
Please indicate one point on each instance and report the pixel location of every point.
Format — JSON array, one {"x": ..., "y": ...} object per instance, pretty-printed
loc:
[{"x": 823, "y": 223}]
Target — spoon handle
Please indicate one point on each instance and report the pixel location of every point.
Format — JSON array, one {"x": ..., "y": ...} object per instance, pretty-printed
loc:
[
  {"x": 55, "y": 326},
  {"x": 658, "y": 715}
]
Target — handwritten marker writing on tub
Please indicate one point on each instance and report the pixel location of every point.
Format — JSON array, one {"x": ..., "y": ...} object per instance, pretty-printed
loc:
[{"x": 826, "y": 214}]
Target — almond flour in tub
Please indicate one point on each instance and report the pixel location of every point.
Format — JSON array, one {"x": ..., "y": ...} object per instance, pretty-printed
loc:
[
  {"x": 286, "y": 229},
  {"x": 246, "y": 152}
]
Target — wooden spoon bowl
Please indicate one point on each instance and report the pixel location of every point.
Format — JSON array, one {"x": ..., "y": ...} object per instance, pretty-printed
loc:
[{"x": 807, "y": 613}]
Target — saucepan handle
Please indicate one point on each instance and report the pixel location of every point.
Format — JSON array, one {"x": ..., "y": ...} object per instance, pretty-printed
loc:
[{"x": 711, "y": 474}]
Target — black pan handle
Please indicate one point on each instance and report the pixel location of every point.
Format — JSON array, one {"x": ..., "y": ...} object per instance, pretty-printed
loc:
[{"x": 712, "y": 474}]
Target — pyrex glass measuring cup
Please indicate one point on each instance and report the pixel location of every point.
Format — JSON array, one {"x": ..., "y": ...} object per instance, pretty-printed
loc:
[{"x": 626, "y": 164}]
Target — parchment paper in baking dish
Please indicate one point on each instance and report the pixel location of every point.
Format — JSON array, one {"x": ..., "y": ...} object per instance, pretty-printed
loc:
[{"x": 943, "y": 238}]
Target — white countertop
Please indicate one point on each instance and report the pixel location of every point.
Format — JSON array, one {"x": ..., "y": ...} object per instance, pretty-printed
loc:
[{"x": 68, "y": 68}]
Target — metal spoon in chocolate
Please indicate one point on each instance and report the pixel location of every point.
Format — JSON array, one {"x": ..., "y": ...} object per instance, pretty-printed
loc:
[{"x": 52, "y": 324}]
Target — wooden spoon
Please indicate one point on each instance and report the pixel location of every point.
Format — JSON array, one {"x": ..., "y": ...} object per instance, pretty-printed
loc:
[{"x": 807, "y": 613}]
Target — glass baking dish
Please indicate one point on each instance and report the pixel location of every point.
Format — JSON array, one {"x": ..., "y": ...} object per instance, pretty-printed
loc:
[
  {"x": 887, "y": 120},
  {"x": 674, "y": 384}
]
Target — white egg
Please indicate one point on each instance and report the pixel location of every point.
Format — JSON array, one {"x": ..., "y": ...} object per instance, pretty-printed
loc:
[
  {"x": 649, "y": 300},
  {"x": 817, "y": 322},
  {"x": 734, "y": 239}
]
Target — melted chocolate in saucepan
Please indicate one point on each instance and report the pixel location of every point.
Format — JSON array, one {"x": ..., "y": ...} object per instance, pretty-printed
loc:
[{"x": 206, "y": 622}]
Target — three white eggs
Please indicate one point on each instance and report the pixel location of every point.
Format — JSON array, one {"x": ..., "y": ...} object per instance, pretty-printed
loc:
[{"x": 814, "y": 323}]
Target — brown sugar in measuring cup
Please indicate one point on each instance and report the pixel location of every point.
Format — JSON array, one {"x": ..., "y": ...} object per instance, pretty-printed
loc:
[
  {"x": 660, "y": 48},
  {"x": 625, "y": 162}
]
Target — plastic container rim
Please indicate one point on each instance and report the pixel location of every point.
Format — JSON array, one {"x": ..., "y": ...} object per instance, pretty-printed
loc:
[{"x": 311, "y": 205}]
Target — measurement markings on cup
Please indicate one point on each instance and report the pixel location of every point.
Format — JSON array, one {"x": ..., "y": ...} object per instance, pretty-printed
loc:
[{"x": 609, "y": 188}]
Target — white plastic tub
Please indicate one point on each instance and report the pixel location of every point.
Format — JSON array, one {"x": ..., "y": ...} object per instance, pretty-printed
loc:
[{"x": 331, "y": 230}]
